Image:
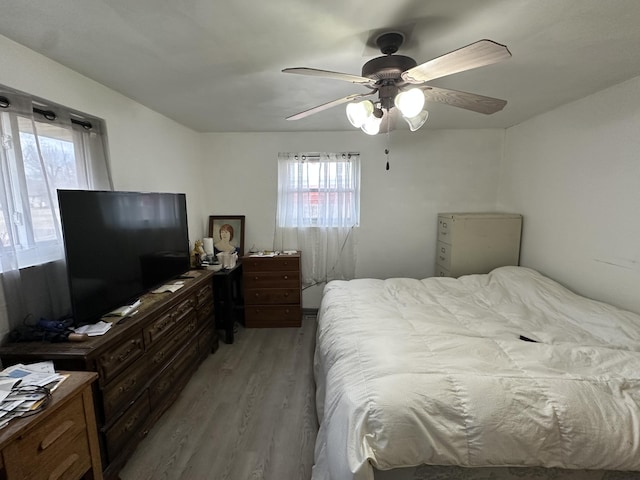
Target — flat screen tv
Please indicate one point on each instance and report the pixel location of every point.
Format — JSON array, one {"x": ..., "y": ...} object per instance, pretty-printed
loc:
[{"x": 118, "y": 245}]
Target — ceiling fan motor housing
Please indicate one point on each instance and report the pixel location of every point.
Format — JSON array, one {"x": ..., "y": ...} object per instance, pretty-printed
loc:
[
  {"x": 388, "y": 67},
  {"x": 390, "y": 42}
]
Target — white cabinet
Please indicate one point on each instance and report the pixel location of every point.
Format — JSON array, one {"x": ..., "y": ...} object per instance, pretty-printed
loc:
[{"x": 477, "y": 242}]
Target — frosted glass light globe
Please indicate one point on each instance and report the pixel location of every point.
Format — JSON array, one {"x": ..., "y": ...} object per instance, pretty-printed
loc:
[
  {"x": 372, "y": 125},
  {"x": 417, "y": 121},
  {"x": 359, "y": 112},
  {"x": 410, "y": 102}
]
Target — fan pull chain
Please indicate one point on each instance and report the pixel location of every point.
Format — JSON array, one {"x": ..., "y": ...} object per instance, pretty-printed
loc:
[{"x": 386, "y": 150}]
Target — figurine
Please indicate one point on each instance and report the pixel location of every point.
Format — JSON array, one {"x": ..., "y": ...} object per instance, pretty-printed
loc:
[{"x": 197, "y": 254}]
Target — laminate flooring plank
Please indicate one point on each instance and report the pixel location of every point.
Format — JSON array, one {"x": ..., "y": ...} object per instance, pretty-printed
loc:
[{"x": 248, "y": 412}]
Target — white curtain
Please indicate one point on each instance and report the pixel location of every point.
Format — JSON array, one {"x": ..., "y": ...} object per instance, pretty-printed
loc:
[
  {"x": 44, "y": 147},
  {"x": 318, "y": 212}
]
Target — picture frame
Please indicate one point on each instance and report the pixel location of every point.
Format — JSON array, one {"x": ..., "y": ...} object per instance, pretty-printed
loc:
[{"x": 233, "y": 224}]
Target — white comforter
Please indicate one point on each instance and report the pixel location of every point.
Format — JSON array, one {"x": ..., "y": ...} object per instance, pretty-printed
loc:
[{"x": 432, "y": 371}]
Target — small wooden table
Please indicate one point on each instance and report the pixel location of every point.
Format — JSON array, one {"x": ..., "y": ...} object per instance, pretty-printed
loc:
[{"x": 60, "y": 442}]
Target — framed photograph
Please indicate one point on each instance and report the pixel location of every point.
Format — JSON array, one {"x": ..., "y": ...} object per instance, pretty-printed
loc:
[{"x": 227, "y": 232}]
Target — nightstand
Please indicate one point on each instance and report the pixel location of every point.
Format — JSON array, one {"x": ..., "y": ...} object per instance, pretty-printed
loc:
[
  {"x": 272, "y": 290},
  {"x": 60, "y": 442}
]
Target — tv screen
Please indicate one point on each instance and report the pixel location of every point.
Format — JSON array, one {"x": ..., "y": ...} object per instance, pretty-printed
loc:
[{"x": 118, "y": 245}]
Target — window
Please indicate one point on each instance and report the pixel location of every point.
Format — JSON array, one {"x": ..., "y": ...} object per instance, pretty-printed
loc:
[
  {"x": 42, "y": 148},
  {"x": 318, "y": 190},
  {"x": 318, "y": 212}
]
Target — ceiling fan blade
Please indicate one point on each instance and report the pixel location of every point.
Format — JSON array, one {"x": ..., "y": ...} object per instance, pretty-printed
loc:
[
  {"x": 468, "y": 101},
  {"x": 314, "y": 72},
  {"x": 328, "y": 105},
  {"x": 478, "y": 54}
]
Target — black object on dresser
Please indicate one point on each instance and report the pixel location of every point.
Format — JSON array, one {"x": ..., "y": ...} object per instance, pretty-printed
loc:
[{"x": 143, "y": 362}]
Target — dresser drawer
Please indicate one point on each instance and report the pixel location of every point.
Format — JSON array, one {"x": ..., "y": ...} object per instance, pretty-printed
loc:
[
  {"x": 445, "y": 229},
  {"x": 172, "y": 376},
  {"x": 277, "y": 263},
  {"x": 163, "y": 351},
  {"x": 272, "y": 280},
  {"x": 443, "y": 255},
  {"x": 161, "y": 327},
  {"x": 272, "y": 296},
  {"x": 204, "y": 295},
  {"x": 273, "y": 316},
  {"x": 58, "y": 448},
  {"x": 68, "y": 462},
  {"x": 205, "y": 313},
  {"x": 125, "y": 388},
  {"x": 207, "y": 341},
  {"x": 119, "y": 358},
  {"x": 128, "y": 426}
]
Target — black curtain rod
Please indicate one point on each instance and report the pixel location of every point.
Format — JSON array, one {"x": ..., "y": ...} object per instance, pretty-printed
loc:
[
  {"x": 48, "y": 114},
  {"x": 318, "y": 155}
]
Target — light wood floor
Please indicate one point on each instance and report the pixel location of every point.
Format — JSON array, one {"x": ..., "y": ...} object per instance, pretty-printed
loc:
[{"x": 248, "y": 413}]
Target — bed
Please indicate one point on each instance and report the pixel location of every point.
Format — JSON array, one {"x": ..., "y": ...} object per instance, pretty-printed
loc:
[{"x": 504, "y": 375}]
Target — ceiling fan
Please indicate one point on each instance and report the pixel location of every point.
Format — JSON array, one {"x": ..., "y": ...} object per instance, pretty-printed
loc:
[{"x": 400, "y": 82}]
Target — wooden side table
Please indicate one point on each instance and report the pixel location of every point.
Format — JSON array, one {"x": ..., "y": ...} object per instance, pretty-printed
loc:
[{"x": 60, "y": 442}]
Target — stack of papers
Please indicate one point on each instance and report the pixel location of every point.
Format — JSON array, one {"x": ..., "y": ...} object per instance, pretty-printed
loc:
[
  {"x": 169, "y": 287},
  {"x": 124, "y": 310},
  {"x": 98, "y": 328},
  {"x": 25, "y": 388}
]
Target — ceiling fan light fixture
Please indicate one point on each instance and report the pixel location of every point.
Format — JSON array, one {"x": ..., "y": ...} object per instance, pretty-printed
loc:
[
  {"x": 417, "y": 121},
  {"x": 410, "y": 102},
  {"x": 359, "y": 112},
  {"x": 372, "y": 125}
]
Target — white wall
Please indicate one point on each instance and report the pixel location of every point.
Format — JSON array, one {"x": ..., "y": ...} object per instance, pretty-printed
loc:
[
  {"x": 148, "y": 152},
  {"x": 430, "y": 171},
  {"x": 574, "y": 173}
]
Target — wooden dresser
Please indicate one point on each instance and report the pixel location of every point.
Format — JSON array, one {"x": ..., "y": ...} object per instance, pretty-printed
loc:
[
  {"x": 143, "y": 363},
  {"x": 272, "y": 291},
  {"x": 60, "y": 442}
]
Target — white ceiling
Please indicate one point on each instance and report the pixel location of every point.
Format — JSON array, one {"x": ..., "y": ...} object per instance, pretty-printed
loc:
[{"x": 215, "y": 66}]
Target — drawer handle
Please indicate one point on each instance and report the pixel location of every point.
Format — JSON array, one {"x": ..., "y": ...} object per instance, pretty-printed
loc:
[
  {"x": 158, "y": 357},
  {"x": 442, "y": 258},
  {"x": 129, "y": 425},
  {"x": 286, "y": 294},
  {"x": 161, "y": 325},
  {"x": 286, "y": 277},
  {"x": 123, "y": 356},
  {"x": 257, "y": 294},
  {"x": 57, "y": 433},
  {"x": 443, "y": 249},
  {"x": 256, "y": 278},
  {"x": 127, "y": 386},
  {"x": 64, "y": 466}
]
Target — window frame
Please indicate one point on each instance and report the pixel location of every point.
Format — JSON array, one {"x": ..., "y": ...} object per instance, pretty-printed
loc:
[{"x": 295, "y": 186}]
